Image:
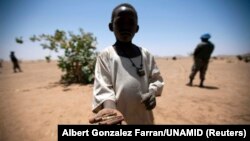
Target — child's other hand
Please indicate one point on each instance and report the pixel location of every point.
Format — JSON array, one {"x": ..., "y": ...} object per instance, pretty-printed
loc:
[{"x": 149, "y": 100}]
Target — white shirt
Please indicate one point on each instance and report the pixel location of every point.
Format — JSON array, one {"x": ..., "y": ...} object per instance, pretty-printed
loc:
[{"x": 116, "y": 79}]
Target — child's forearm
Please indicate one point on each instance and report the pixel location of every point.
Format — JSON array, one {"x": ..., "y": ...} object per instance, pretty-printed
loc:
[{"x": 109, "y": 104}]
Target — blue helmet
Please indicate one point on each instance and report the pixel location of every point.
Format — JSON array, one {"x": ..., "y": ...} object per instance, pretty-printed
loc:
[{"x": 206, "y": 36}]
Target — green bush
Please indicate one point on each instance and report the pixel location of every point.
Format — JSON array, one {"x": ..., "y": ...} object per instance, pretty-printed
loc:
[{"x": 78, "y": 61}]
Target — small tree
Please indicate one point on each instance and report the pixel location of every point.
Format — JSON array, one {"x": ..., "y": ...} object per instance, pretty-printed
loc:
[{"x": 79, "y": 57}]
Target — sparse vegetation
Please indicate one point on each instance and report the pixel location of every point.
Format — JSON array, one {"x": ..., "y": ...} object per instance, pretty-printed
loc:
[
  {"x": 239, "y": 57},
  {"x": 19, "y": 40},
  {"x": 79, "y": 57},
  {"x": 214, "y": 57},
  {"x": 245, "y": 58}
]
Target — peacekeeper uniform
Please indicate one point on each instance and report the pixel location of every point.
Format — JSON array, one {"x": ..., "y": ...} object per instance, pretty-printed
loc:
[{"x": 202, "y": 55}]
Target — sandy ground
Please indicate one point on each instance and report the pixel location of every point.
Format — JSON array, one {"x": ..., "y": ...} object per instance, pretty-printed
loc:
[{"x": 33, "y": 103}]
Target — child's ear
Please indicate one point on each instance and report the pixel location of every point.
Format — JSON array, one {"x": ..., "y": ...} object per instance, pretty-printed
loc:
[
  {"x": 111, "y": 27},
  {"x": 137, "y": 28}
]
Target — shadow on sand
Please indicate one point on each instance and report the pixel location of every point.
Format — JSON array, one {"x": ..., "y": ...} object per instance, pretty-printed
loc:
[
  {"x": 207, "y": 87},
  {"x": 204, "y": 87}
]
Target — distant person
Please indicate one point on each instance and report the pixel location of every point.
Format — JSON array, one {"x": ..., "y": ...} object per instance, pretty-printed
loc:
[
  {"x": 202, "y": 54},
  {"x": 127, "y": 79},
  {"x": 1, "y": 64},
  {"x": 15, "y": 62}
]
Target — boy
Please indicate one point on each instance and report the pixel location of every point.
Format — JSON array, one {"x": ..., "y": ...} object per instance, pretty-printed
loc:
[{"x": 127, "y": 79}]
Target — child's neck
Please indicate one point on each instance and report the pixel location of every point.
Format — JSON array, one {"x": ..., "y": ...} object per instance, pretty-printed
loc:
[
  {"x": 127, "y": 49},
  {"x": 123, "y": 44}
]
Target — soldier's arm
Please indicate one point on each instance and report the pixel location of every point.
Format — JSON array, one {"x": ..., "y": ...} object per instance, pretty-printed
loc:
[{"x": 197, "y": 50}]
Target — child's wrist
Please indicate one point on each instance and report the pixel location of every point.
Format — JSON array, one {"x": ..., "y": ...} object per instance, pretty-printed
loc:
[{"x": 109, "y": 104}]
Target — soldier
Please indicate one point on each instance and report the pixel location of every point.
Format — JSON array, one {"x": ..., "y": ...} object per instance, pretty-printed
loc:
[
  {"x": 202, "y": 54},
  {"x": 1, "y": 64},
  {"x": 15, "y": 62}
]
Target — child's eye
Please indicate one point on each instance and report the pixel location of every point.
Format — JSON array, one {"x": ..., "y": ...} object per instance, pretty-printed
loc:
[
  {"x": 132, "y": 22},
  {"x": 118, "y": 23}
]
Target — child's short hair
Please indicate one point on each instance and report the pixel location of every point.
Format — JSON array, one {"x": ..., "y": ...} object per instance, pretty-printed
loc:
[{"x": 126, "y": 5}]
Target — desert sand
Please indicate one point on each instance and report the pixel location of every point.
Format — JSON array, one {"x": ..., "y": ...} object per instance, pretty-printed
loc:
[{"x": 33, "y": 103}]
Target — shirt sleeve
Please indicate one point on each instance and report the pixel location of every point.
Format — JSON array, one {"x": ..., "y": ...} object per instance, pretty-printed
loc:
[
  {"x": 155, "y": 79},
  {"x": 103, "y": 88},
  {"x": 197, "y": 50}
]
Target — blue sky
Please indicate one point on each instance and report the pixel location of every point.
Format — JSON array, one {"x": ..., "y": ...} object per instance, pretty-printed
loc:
[{"x": 167, "y": 27}]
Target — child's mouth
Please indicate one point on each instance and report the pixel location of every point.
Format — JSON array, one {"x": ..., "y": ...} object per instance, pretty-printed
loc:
[{"x": 126, "y": 33}]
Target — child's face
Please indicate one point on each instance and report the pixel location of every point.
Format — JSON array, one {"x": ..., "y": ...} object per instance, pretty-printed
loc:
[{"x": 124, "y": 24}]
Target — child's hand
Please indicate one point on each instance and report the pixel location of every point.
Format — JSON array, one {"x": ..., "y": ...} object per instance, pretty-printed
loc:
[
  {"x": 149, "y": 100},
  {"x": 107, "y": 116}
]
